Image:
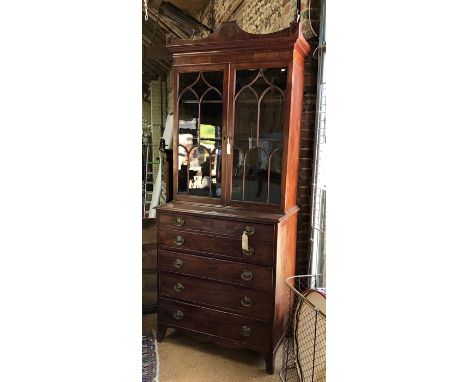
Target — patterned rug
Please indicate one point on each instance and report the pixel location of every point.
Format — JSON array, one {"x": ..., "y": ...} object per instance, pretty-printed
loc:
[{"x": 150, "y": 358}]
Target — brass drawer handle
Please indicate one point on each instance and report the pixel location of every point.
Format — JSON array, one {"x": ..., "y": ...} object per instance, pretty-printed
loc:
[
  {"x": 179, "y": 287},
  {"x": 178, "y": 263},
  {"x": 178, "y": 222},
  {"x": 246, "y": 275},
  {"x": 248, "y": 252},
  {"x": 178, "y": 315},
  {"x": 179, "y": 240},
  {"x": 246, "y": 301},
  {"x": 249, "y": 230},
  {"x": 246, "y": 331}
]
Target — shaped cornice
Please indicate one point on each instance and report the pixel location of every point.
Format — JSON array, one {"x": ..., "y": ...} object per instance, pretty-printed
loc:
[{"x": 230, "y": 37}]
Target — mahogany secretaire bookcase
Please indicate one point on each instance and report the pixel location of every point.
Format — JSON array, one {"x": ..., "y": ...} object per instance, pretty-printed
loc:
[{"x": 227, "y": 242}]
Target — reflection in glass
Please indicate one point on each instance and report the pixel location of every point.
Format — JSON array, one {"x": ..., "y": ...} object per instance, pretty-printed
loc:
[
  {"x": 258, "y": 135},
  {"x": 200, "y": 134}
]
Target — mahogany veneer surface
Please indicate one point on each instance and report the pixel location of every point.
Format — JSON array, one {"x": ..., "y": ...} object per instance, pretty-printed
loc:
[{"x": 209, "y": 284}]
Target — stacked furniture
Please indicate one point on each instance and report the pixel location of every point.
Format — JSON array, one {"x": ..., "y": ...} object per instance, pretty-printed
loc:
[
  {"x": 226, "y": 244},
  {"x": 149, "y": 265}
]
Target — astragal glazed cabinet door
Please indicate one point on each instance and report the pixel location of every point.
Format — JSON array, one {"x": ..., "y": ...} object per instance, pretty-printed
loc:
[
  {"x": 200, "y": 135},
  {"x": 259, "y": 118}
]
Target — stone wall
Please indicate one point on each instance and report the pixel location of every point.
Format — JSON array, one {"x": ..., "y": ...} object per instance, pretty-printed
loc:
[
  {"x": 259, "y": 16},
  {"x": 170, "y": 92},
  {"x": 254, "y": 16}
]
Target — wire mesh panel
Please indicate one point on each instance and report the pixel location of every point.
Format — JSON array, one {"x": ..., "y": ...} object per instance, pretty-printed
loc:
[{"x": 305, "y": 336}]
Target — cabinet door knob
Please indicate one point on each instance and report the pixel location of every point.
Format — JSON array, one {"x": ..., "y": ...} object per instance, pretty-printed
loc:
[
  {"x": 178, "y": 315},
  {"x": 179, "y": 287},
  {"x": 178, "y": 263},
  {"x": 245, "y": 301},
  {"x": 246, "y": 275},
  {"x": 179, "y": 240},
  {"x": 178, "y": 222},
  {"x": 246, "y": 331},
  {"x": 249, "y": 230},
  {"x": 248, "y": 252}
]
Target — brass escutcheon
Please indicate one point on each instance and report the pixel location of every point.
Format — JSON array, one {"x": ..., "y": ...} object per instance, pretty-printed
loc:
[
  {"x": 249, "y": 231},
  {"x": 179, "y": 287},
  {"x": 246, "y": 331},
  {"x": 246, "y": 275},
  {"x": 245, "y": 301},
  {"x": 178, "y": 263},
  {"x": 179, "y": 240},
  {"x": 178, "y": 315},
  {"x": 248, "y": 252},
  {"x": 178, "y": 222}
]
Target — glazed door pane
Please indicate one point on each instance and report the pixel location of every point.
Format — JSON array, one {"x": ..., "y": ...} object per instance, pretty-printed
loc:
[
  {"x": 200, "y": 116},
  {"x": 258, "y": 135}
]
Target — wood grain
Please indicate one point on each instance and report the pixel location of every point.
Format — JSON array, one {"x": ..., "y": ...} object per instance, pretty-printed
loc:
[
  {"x": 214, "y": 322},
  {"x": 260, "y": 252},
  {"x": 217, "y": 295},
  {"x": 212, "y": 225},
  {"x": 215, "y": 269},
  {"x": 209, "y": 259}
]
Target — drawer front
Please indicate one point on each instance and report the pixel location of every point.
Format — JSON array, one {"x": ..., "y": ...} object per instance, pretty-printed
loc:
[
  {"x": 220, "y": 226},
  {"x": 253, "y": 276},
  {"x": 248, "y": 302},
  {"x": 259, "y": 252},
  {"x": 214, "y": 322}
]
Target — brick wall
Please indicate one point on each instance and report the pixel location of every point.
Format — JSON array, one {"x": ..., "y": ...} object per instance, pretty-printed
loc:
[{"x": 306, "y": 153}]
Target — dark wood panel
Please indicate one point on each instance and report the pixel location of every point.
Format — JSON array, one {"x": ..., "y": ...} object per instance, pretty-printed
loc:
[
  {"x": 214, "y": 322},
  {"x": 252, "y": 303},
  {"x": 224, "y": 212},
  {"x": 226, "y": 227},
  {"x": 149, "y": 297},
  {"x": 285, "y": 265},
  {"x": 205, "y": 244},
  {"x": 215, "y": 269},
  {"x": 227, "y": 57},
  {"x": 149, "y": 252},
  {"x": 149, "y": 230},
  {"x": 149, "y": 264},
  {"x": 149, "y": 279}
]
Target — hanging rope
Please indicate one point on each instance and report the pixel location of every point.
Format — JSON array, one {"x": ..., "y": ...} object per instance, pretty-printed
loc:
[
  {"x": 146, "y": 9},
  {"x": 310, "y": 23}
]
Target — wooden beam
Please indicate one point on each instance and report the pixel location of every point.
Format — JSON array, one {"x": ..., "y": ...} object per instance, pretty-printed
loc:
[
  {"x": 157, "y": 52},
  {"x": 147, "y": 39}
]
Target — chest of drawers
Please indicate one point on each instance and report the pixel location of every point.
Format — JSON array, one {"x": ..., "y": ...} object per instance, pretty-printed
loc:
[{"x": 209, "y": 286}]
